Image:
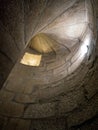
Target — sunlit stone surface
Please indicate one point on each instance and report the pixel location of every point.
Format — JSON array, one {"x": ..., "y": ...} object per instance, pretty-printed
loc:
[
  {"x": 42, "y": 43},
  {"x": 31, "y": 59}
]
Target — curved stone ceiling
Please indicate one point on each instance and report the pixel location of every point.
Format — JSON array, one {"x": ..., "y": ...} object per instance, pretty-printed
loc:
[{"x": 52, "y": 72}]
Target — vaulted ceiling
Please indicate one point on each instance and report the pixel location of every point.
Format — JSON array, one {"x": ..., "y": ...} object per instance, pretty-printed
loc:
[{"x": 48, "y": 62}]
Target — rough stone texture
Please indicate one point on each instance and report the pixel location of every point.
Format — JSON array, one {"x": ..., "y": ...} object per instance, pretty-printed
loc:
[
  {"x": 40, "y": 110},
  {"x": 17, "y": 124},
  {"x": 5, "y": 95},
  {"x": 91, "y": 124},
  {"x": 66, "y": 83},
  {"x": 11, "y": 35},
  {"x": 77, "y": 118},
  {"x": 49, "y": 124},
  {"x": 8, "y": 108}
]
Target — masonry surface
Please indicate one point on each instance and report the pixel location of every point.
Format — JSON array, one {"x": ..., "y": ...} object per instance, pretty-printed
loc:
[{"x": 62, "y": 92}]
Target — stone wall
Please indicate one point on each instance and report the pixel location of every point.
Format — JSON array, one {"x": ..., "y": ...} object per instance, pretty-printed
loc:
[
  {"x": 11, "y": 35},
  {"x": 62, "y": 92}
]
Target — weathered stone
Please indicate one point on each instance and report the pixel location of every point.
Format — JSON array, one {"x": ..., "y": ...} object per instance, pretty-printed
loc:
[
  {"x": 75, "y": 65},
  {"x": 85, "y": 113},
  {"x": 48, "y": 93},
  {"x": 70, "y": 101},
  {"x": 76, "y": 56},
  {"x": 49, "y": 124},
  {"x": 60, "y": 75},
  {"x": 17, "y": 124},
  {"x": 5, "y": 95},
  {"x": 11, "y": 109},
  {"x": 61, "y": 68},
  {"x": 65, "y": 105},
  {"x": 18, "y": 86},
  {"x": 40, "y": 110},
  {"x": 23, "y": 98},
  {"x": 55, "y": 64}
]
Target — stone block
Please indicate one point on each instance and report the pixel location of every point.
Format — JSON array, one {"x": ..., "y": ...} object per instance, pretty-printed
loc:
[
  {"x": 23, "y": 98},
  {"x": 11, "y": 109},
  {"x": 65, "y": 105},
  {"x": 47, "y": 94},
  {"x": 5, "y": 95},
  {"x": 17, "y": 124},
  {"x": 76, "y": 56},
  {"x": 59, "y": 76},
  {"x": 55, "y": 84},
  {"x": 19, "y": 85},
  {"x": 40, "y": 110},
  {"x": 75, "y": 65},
  {"x": 61, "y": 68},
  {"x": 55, "y": 64}
]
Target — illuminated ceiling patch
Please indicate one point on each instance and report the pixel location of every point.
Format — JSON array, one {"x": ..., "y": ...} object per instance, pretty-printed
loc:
[
  {"x": 42, "y": 43},
  {"x": 31, "y": 59}
]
